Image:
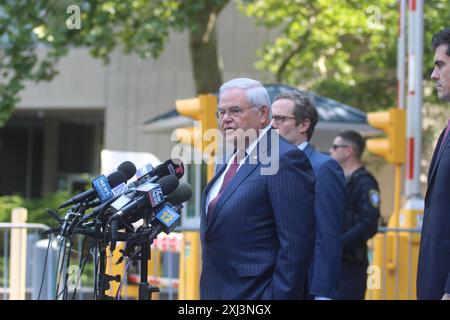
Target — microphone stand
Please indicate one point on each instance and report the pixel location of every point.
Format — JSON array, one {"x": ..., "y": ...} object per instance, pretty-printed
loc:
[
  {"x": 145, "y": 288},
  {"x": 103, "y": 278},
  {"x": 142, "y": 241}
]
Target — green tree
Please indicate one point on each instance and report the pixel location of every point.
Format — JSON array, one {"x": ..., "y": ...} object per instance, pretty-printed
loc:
[
  {"x": 136, "y": 26},
  {"x": 345, "y": 49}
]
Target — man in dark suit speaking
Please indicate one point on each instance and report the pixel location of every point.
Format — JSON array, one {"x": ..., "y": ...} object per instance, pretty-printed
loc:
[
  {"x": 257, "y": 224},
  {"x": 433, "y": 274}
]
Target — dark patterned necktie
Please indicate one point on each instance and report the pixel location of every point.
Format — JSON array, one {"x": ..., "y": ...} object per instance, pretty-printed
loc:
[{"x": 226, "y": 180}]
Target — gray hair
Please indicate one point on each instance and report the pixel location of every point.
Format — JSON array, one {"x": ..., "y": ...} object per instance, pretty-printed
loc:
[{"x": 256, "y": 93}]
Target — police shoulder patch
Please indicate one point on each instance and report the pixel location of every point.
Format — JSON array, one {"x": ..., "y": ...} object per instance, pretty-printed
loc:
[{"x": 374, "y": 198}]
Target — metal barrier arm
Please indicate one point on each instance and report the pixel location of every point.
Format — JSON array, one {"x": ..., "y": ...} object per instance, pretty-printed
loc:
[{"x": 10, "y": 225}]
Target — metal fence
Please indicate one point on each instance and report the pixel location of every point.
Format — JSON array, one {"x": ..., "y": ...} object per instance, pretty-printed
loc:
[
  {"x": 42, "y": 263},
  {"x": 5, "y": 236},
  {"x": 39, "y": 266},
  {"x": 393, "y": 257}
]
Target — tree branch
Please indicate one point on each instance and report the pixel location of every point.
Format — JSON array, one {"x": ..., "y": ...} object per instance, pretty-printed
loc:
[{"x": 301, "y": 45}]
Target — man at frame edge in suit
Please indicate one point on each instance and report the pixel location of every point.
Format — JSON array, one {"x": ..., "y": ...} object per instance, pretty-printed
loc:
[{"x": 433, "y": 274}]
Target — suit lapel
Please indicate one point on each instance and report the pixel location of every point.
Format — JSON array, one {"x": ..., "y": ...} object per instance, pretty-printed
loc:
[
  {"x": 220, "y": 170},
  {"x": 308, "y": 151},
  {"x": 437, "y": 157},
  {"x": 240, "y": 176},
  {"x": 250, "y": 164}
]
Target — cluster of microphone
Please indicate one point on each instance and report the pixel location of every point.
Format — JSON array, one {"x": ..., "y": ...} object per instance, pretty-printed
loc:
[
  {"x": 114, "y": 210},
  {"x": 156, "y": 196}
]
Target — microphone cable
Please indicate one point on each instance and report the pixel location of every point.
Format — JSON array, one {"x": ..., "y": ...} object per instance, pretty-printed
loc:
[
  {"x": 124, "y": 277},
  {"x": 82, "y": 264},
  {"x": 54, "y": 215}
]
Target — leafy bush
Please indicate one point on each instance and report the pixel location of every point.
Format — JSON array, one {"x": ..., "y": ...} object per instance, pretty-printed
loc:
[
  {"x": 7, "y": 203},
  {"x": 37, "y": 208}
]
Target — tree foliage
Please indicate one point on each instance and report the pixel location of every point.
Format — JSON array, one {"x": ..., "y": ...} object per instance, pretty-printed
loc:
[
  {"x": 342, "y": 49},
  {"x": 136, "y": 26},
  {"x": 345, "y": 49}
]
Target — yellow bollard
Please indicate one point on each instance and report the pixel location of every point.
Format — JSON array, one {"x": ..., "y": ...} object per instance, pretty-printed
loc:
[
  {"x": 130, "y": 291},
  {"x": 114, "y": 269},
  {"x": 190, "y": 266},
  {"x": 154, "y": 270},
  {"x": 409, "y": 254},
  {"x": 375, "y": 281},
  {"x": 18, "y": 263},
  {"x": 397, "y": 253}
]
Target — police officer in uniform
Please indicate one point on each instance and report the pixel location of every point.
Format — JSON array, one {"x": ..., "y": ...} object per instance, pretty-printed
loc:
[{"x": 361, "y": 216}]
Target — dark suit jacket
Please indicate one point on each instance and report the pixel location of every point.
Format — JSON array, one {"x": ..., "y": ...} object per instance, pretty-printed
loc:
[
  {"x": 329, "y": 209},
  {"x": 260, "y": 240},
  {"x": 433, "y": 274}
]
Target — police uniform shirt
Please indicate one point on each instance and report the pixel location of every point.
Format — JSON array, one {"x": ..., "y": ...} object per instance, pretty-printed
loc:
[{"x": 363, "y": 209}]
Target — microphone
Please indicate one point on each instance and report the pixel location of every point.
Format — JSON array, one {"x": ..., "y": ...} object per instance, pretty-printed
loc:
[
  {"x": 144, "y": 171},
  {"x": 142, "y": 174},
  {"x": 181, "y": 194},
  {"x": 116, "y": 191},
  {"x": 172, "y": 166},
  {"x": 128, "y": 168},
  {"x": 150, "y": 194},
  {"x": 101, "y": 188},
  {"x": 169, "y": 167},
  {"x": 166, "y": 220}
]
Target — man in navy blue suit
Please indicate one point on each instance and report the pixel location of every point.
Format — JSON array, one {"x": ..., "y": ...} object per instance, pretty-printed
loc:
[
  {"x": 433, "y": 274},
  {"x": 257, "y": 221},
  {"x": 295, "y": 117}
]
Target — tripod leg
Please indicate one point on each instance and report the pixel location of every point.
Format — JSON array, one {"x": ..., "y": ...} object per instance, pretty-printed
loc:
[{"x": 145, "y": 289}]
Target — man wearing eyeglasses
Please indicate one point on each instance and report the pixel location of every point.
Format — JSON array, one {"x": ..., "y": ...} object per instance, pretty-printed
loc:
[
  {"x": 256, "y": 229},
  {"x": 295, "y": 117},
  {"x": 361, "y": 215}
]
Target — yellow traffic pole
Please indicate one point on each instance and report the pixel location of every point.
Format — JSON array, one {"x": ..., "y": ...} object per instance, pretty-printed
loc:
[
  {"x": 385, "y": 250},
  {"x": 190, "y": 266}
]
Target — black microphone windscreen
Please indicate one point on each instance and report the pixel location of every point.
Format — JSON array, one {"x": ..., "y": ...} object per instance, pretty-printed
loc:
[
  {"x": 128, "y": 168},
  {"x": 170, "y": 167},
  {"x": 179, "y": 168},
  {"x": 116, "y": 178},
  {"x": 162, "y": 169},
  {"x": 168, "y": 184},
  {"x": 181, "y": 194}
]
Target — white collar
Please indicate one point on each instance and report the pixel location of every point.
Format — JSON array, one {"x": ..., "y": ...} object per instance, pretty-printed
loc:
[
  {"x": 252, "y": 146},
  {"x": 303, "y": 145}
]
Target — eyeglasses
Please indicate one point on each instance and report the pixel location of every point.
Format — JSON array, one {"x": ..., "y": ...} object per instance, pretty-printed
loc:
[
  {"x": 231, "y": 112},
  {"x": 335, "y": 146},
  {"x": 281, "y": 119}
]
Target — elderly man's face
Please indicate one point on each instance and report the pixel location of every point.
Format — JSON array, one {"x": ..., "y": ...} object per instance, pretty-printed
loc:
[
  {"x": 441, "y": 72},
  {"x": 239, "y": 114}
]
